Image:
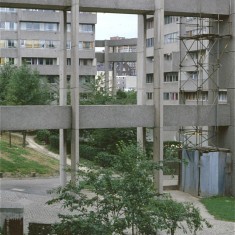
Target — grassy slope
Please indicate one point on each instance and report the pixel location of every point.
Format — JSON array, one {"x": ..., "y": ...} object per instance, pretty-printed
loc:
[
  {"x": 18, "y": 161},
  {"x": 222, "y": 208}
]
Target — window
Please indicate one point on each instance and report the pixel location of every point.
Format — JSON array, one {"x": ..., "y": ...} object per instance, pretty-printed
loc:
[
  {"x": 68, "y": 27},
  {"x": 11, "y": 43},
  {"x": 170, "y": 96},
  {"x": 171, "y": 38},
  {"x": 150, "y": 23},
  {"x": 170, "y": 19},
  {"x": 85, "y": 62},
  {"x": 86, "y": 45},
  {"x": 168, "y": 57},
  {"x": 2, "y": 25},
  {"x": 68, "y": 45},
  {"x": 222, "y": 96},
  {"x": 49, "y": 61},
  {"x": 149, "y": 95},
  {"x": 149, "y": 78},
  {"x": 68, "y": 61},
  {"x": 150, "y": 42},
  {"x": 170, "y": 77},
  {"x": 193, "y": 96},
  {"x": 40, "y": 61},
  {"x": 51, "y": 27},
  {"x": 86, "y": 28},
  {"x": 2, "y": 44},
  {"x": 193, "y": 75}
]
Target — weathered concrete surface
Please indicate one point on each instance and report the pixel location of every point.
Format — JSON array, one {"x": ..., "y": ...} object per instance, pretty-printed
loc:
[
  {"x": 35, "y": 117},
  {"x": 116, "y": 116},
  {"x": 197, "y": 115},
  {"x": 172, "y": 7},
  {"x": 110, "y": 116}
]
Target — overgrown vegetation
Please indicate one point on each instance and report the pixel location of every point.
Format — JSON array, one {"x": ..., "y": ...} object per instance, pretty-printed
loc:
[
  {"x": 222, "y": 208},
  {"x": 121, "y": 202},
  {"x": 22, "y": 86}
]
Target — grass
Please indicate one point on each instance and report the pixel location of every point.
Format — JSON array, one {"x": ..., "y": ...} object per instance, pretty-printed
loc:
[
  {"x": 222, "y": 208},
  {"x": 17, "y": 161}
]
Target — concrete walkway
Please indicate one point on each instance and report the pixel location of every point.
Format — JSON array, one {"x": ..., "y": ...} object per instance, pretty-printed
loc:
[{"x": 31, "y": 194}]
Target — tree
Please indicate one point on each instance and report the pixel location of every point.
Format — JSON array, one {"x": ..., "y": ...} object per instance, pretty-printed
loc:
[
  {"x": 22, "y": 86},
  {"x": 6, "y": 73},
  {"x": 121, "y": 199},
  {"x": 26, "y": 87}
]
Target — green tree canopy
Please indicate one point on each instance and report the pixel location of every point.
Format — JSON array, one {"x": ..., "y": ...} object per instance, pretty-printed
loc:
[{"x": 23, "y": 86}]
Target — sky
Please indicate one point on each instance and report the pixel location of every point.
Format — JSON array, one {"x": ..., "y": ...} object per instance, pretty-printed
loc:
[{"x": 111, "y": 25}]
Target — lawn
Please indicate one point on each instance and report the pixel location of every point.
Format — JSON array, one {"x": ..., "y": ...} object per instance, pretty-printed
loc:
[
  {"x": 18, "y": 161},
  {"x": 222, "y": 208}
]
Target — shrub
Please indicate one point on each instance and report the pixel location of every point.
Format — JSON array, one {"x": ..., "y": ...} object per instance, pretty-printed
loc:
[
  {"x": 87, "y": 152},
  {"x": 43, "y": 136},
  {"x": 54, "y": 141},
  {"x": 105, "y": 159}
]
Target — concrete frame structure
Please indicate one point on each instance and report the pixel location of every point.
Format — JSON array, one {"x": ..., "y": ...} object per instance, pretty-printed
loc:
[
  {"x": 205, "y": 8},
  {"x": 113, "y": 57}
]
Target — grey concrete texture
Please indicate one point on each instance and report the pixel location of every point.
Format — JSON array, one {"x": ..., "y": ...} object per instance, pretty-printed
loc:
[
  {"x": 31, "y": 194},
  {"x": 172, "y": 7},
  {"x": 110, "y": 116}
]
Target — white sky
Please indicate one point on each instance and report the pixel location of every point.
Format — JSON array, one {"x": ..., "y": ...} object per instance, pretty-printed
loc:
[{"x": 111, "y": 25}]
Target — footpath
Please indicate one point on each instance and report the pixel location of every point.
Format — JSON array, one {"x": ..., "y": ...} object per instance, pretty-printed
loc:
[{"x": 31, "y": 195}]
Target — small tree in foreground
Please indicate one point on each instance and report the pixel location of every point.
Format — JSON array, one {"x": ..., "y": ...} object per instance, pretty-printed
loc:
[{"x": 121, "y": 200}]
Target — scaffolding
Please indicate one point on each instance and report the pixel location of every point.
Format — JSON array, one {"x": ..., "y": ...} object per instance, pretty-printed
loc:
[{"x": 202, "y": 46}]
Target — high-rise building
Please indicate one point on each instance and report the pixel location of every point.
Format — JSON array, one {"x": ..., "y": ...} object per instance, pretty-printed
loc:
[{"x": 33, "y": 37}]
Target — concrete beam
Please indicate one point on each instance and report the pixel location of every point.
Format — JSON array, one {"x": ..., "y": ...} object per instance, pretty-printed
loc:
[
  {"x": 206, "y": 8},
  {"x": 110, "y": 116},
  {"x": 116, "y": 116},
  {"x": 35, "y": 4},
  {"x": 202, "y": 8},
  {"x": 35, "y": 117},
  {"x": 196, "y": 115}
]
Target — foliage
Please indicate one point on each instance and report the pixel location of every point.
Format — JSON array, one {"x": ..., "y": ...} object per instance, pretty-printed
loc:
[
  {"x": 222, "y": 208},
  {"x": 6, "y": 73},
  {"x": 39, "y": 229},
  {"x": 121, "y": 202},
  {"x": 107, "y": 139},
  {"x": 87, "y": 152},
  {"x": 171, "y": 149},
  {"x": 105, "y": 159},
  {"x": 22, "y": 86},
  {"x": 54, "y": 141},
  {"x": 43, "y": 136},
  {"x": 176, "y": 215}
]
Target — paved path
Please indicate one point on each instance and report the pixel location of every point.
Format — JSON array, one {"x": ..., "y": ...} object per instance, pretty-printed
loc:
[{"x": 31, "y": 194}]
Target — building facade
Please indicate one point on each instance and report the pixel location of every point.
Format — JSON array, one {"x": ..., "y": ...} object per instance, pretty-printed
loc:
[{"x": 32, "y": 36}]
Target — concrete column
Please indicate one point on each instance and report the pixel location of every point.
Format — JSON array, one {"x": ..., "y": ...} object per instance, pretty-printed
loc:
[
  {"x": 226, "y": 135},
  {"x": 114, "y": 82},
  {"x": 213, "y": 87},
  {"x": 63, "y": 93},
  {"x": 106, "y": 65},
  {"x": 183, "y": 53},
  {"x": 75, "y": 88},
  {"x": 158, "y": 94},
  {"x": 141, "y": 72}
]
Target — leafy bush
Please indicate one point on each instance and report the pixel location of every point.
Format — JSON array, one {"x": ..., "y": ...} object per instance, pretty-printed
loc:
[
  {"x": 123, "y": 201},
  {"x": 43, "y": 136},
  {"x": 87, "y": 152},
  {"x": 54, "y": 141},
  {"x": 105, "y": 159}
]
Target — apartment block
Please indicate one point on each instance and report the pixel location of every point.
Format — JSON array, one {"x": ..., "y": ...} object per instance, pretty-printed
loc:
[{"x": 33, "y": 37}]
